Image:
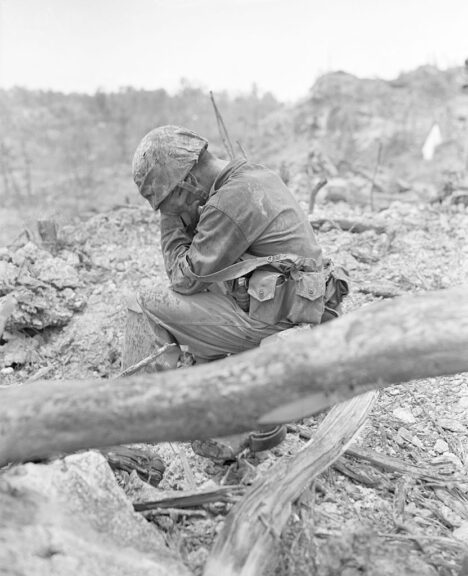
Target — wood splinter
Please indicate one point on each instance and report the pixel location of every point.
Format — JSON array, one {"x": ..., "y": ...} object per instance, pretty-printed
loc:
[{"x": 248, "y": 538}]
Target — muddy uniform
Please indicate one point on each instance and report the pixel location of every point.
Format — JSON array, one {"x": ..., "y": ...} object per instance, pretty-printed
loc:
[{"x": 249, "y": 210}]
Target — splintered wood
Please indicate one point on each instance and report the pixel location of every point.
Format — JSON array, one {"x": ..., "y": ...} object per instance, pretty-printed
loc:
[{"x": 247, "y": 540}]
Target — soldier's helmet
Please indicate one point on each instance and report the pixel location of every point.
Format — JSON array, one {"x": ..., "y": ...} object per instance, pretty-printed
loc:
[{"x": 163, "y": 159}]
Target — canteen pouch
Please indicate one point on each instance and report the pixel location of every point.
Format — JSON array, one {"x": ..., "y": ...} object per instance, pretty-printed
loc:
[
  {"x": 278, "y": 297},
  {"x": 337, "y": 288}
]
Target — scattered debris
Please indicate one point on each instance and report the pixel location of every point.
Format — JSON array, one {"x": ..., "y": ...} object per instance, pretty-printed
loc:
[
  {"x": 380, "y": 289},
  {"x": 452, "y": 425},
  {"x": 404, "y": 415},
  {"x": 193, "y": 499},
  {"x": 46, "y": 288},
  {"x": 7, "y": 306},
  {"x": 149, "y": 467},
  {"x": 263, "y": 513},
  {"x": 117, "y": 253},
  {"x": 461, "y": 533},
  {"x": 441, "y": 446},
  {"x": 356, "y": 226}
]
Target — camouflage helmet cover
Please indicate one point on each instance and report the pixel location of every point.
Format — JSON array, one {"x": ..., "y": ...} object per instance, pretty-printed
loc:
[{"x": 168, "y": 153}]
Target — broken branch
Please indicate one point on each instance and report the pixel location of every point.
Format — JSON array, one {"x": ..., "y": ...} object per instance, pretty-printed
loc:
[
  {"x": 134, "y": 368},
  {"x": 356, "y": 226},
  {"x": 392, "y": 464},
  {"x": 313, "y": 193},
  {"x": 247, "y": 539},
  {"x": 192, "y": 498},
  {"x": 374, "y": 175}
]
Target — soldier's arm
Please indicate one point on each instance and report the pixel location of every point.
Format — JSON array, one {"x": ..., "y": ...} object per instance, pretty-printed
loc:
[{"x": 218, "y": 242}]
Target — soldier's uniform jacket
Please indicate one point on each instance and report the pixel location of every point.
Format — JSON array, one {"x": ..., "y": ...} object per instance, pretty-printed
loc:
[{"x": 249, "y": 210}]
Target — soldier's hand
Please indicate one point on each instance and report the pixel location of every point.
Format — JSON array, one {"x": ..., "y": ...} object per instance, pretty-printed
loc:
[{"x": 190, "y": 221}]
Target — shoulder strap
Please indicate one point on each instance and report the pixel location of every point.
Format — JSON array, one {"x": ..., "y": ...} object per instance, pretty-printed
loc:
[{"x": 250, "y": 264}]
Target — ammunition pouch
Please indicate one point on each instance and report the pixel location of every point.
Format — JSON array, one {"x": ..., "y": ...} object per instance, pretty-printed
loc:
[
  {"x": 288, "y": 288},
  {"x": 295, "y": 297}
]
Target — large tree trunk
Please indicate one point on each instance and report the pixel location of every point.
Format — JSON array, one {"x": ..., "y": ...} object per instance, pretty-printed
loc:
[{"x": 384, "y": 343}]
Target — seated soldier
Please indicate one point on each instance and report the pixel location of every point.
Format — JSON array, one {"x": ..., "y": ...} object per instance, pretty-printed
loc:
[{"x": 239, "y": 251}]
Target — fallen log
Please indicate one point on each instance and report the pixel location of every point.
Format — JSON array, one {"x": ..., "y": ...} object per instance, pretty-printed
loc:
[
  {"x": 356, "y": 226},
  {"x": 247, "y": 540},
  {"x": 385, "y": 343}
]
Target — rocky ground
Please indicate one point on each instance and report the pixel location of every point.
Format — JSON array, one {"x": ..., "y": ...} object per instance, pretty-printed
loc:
[{"x": 67, "y": 322}]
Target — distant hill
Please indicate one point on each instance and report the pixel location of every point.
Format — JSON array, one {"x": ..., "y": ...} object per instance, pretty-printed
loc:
[
  {"x": 346, "y": 118},
  {"x": 75, "y": 150},
  {"x": 72, "y": 153}
]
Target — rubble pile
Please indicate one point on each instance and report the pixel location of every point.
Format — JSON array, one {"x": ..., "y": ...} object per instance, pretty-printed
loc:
[
  {"x": 45, "y": 287},
  {"x": 406, "y": 248},
  {"x": 62, "y": 310},
  {"x": 40, "y": 291}
]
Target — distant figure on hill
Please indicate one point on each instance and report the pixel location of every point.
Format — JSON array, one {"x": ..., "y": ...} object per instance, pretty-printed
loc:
[{"x": 239, "y": 251}]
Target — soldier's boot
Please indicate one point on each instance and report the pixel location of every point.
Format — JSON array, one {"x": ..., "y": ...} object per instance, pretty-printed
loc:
[{"x": 229, "y": 448}]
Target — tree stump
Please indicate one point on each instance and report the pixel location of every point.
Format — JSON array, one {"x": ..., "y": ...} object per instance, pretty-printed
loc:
[
  {"x": 47, "y": 230},
  {"x": 139, "y": 341}
]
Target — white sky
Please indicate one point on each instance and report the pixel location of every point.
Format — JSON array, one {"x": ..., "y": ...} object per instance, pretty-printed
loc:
[{"x": 281, "y": 45}]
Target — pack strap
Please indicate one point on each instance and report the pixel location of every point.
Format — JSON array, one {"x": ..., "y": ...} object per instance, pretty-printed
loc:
[{"x": 251, "y": 263}]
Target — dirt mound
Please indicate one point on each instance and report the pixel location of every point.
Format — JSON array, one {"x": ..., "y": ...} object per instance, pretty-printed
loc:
[{"x": 81, "y": 286}]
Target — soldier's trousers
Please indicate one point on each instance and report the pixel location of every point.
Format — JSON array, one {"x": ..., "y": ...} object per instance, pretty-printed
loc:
[{"x": 210, "y": 324}]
